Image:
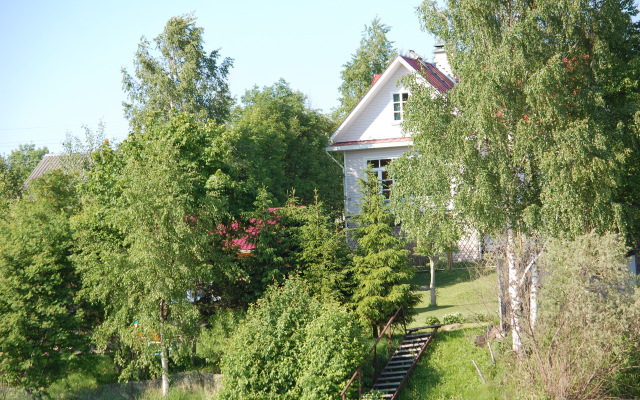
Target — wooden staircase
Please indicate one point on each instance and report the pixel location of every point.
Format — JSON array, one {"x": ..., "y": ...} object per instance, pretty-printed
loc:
[{"x": 401, "y": 364}]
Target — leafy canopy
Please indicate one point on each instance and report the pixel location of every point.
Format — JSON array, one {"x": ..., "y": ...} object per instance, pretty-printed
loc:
[
  {"x": 372, "y": 57},
  {"x": 538, "y": 134},
  {"x": 42, "y": 322},
  {"x": 182, "y": 77},
  {"x": 291, "y": 346}
]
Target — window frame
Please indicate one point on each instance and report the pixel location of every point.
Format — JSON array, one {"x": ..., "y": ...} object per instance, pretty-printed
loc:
[
  {"x": 385, "y": 181},
  {"x": 398, "y": 106}
]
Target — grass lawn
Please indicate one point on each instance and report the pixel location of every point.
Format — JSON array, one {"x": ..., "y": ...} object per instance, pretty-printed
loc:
[
  {"x": 446, "y": 370},
  {"x": 470, "y": 292}
]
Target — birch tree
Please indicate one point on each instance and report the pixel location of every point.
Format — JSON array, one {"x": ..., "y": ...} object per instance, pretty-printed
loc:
[
  {"x": 178, "y": 77},
  {"x": 537, "y": 138},
  {"x": 148, "y": 251}
]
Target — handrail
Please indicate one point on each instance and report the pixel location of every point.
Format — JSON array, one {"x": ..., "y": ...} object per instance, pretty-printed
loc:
[
  {"x": 418, "y": 356},
  {"x": 358, "y": 372}
]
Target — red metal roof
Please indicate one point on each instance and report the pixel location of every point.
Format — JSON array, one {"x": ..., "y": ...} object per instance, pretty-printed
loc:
[
  {"x": 371, "y": 141},
  {"x": 431, "y": 73}
]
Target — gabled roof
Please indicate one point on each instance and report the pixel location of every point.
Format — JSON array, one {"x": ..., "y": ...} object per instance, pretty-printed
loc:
[
  {"x": 432, "y": 75},
  {"x": 50, "y": 162}
]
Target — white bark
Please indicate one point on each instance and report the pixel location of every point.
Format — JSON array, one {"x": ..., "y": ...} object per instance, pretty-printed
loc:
[
  {"x": 514, "y": 293},
  {"x": 164, "y": 357},
  {"x": 501, "y": 300},
  {"x": 533, "y": 296},
  {"x": 164, "y": 360},
  {"x": 432, "y": 285}
]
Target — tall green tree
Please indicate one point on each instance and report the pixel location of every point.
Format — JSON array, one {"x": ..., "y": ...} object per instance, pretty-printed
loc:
[
  {"x": 180, "y": 77},
  {"x": 538, "y": 136},
  {"x": 41, "y": 318},
  {"x": 151, "y": 252},
  {"x": 372, "y": 57},
  {"x": 381, "y": 269},
  {"x": 278, "y": 144}
]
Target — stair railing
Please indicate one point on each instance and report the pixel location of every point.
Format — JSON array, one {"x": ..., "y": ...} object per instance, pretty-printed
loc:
[{"x": 385, "y": 331}]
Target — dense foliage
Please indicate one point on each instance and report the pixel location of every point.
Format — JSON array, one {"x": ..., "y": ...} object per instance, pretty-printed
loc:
[
  {"x": 589, "y": 323},
  {"x": 278, "y": 144},
  {"x": 43, "y": 324},
  {"x": 16, "y": 168},
  {"x": 182, "y": 77},
  {"x": 291, "y": 346},
  {"x": 381, "y": 269}
]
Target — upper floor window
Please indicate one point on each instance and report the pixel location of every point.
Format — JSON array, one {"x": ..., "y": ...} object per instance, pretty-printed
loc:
[
  {"x": 399, "y": 103},
  {"x": 385, "y": 181}
]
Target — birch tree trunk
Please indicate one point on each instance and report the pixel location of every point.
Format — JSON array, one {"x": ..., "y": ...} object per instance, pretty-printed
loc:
[
  {"x": 514, "y": 294},
  {"x": 164, "y": 360},
  {"x": 164, "y": 357},
  {"x": 432, "y": 285},
  {"x": 533, "y": 295}
]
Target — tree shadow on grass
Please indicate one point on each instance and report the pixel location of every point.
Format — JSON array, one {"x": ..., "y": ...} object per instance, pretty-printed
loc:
[
  {"x": 419, "y": 310},
  {"x": 444, "y": 278}
]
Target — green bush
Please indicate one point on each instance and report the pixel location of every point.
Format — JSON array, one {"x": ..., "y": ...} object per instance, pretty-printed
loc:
[
  {"x": 373, "y": 395},
  {"x": 455, "y": 318},
  {"x": 213, "y": 341},
  {"x": 432, "y": 320},
  {"x": 291, "y": 346},
  {"x": 588, "y": 323}
]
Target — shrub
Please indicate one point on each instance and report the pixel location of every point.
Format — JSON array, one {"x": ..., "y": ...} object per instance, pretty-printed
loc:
[
  {"x": 586, "y": 334},
  {"x": 291, "y": 346},
  {"x": 432, "y": 320},
  {"x": 455, "y": 318},
  {"x": 373, "y": 395}
]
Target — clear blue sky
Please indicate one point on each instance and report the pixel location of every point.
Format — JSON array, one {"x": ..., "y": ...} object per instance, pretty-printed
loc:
[{"x": 61, "y": 60}]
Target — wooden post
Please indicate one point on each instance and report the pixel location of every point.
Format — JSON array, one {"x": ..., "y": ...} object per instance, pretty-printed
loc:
[{"x": 389, "y": 340}]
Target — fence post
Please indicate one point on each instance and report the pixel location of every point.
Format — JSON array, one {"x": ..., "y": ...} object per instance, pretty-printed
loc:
[{"x": 389, "y": 341}]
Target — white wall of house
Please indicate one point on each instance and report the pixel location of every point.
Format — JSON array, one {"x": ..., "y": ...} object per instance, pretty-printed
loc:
[
  {"x": 355, "y": 164},
  {"x": 376, "y": 120}
]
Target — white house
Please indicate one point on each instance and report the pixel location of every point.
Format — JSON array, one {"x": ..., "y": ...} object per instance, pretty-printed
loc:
[{"x": 372, "y": 132}]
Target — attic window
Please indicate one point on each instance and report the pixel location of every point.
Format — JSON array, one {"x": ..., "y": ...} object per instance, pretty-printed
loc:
[{"x": 399, "y": 103}]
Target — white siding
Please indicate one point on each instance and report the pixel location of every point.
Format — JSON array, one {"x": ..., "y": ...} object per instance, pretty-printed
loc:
[
  {"x": 355, "y": 163},
  {"x": 376, "y": 120}
]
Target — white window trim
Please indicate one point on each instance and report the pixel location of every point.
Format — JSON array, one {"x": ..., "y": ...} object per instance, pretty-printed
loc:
[
  {"x": 379, "y": 171},
  {"x": 402, "y": 104}
]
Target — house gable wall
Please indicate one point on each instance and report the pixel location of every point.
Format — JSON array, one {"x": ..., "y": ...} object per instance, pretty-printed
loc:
[{"x": 376, "y": 120}]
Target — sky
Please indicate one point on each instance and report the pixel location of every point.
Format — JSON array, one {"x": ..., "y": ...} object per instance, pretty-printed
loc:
[{"x": 61, "y": 61}]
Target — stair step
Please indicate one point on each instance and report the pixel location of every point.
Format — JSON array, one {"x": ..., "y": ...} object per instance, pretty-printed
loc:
[
  {"x": 397, "y": 369},
  {"x": 388, "y": 384},
  {"x": 390, "y": 377},
  {"x": 418, "y": 335},
  {"x": 385, "y": 390}
]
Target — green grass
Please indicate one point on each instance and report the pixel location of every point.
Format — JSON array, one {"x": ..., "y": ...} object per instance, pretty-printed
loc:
[
  {"x": 470, "y": 292},
  {"x": 446, "y": 370}
]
